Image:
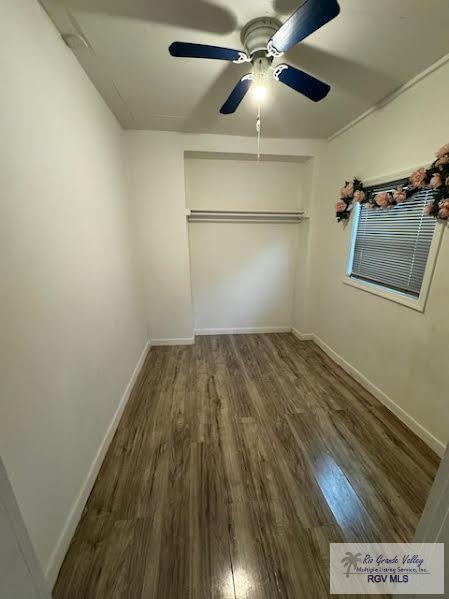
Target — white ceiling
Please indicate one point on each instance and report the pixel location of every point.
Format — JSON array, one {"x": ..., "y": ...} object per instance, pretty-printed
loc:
[{"x": 368, "y": 51}]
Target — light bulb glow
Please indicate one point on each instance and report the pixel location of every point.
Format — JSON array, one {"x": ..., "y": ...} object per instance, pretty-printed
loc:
[{"x": 259, "y": 92}]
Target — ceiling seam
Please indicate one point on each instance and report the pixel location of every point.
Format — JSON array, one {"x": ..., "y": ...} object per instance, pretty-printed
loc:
[{"x": 392, "y": 96}]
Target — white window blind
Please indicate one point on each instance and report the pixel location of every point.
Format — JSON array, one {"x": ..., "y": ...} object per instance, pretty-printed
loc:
[{"x": 391, "y": 246}]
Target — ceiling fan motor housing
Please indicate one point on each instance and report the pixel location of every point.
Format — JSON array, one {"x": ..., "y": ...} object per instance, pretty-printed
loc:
[
  {"x": 255, "y": 37},
  {"x": 257, "y": 33}
]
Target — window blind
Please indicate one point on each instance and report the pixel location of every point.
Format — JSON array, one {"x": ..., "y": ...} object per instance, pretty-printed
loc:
[{"x": 392, "y": 246}]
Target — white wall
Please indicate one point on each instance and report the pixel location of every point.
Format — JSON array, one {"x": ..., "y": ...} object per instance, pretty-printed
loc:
[
  {"x": 156, "y": 166},
  {"x": 403, "y": 352},
  {"x": 303, "y": 251},
  {"x": 243, "y": 274},
  {"x": 71, "y": 327},
  {"x": 243, "y": 184}
]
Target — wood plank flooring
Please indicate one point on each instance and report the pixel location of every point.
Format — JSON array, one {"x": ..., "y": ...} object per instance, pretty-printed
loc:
[{"x": 236, "y": 463}]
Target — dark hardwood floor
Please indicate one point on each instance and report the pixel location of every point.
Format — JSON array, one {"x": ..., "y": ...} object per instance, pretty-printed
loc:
[{"x": 236, "y": 463}]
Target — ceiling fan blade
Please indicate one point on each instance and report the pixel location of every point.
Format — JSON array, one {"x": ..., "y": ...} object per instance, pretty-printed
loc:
[
  {"x": 187, "y": 50},
  {"x": 301, "y": 82},
  {"x": 309, "y": 17},
  {"x": 237, "y": 95}
]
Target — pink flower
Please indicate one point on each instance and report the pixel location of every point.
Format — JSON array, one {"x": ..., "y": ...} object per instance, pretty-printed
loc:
[
  {"x": 443, "y": 151},
  {"x": 418, "y": 179},
  {"x": 436, "y": 181},
  {"x": 382, "y": 199},
  {"x": 340, "y": 206},
  {"x": 399, "y": 195},
  {"x": 443, "y": 213},
  {"x": 359, "y": 197},
  {"x": 442, "y": 161},
  {"x": 429, "y": 209},
  {"x": 347, "y": 191}
]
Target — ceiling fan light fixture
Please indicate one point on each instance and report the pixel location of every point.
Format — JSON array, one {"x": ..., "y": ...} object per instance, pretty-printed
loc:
[
  {"x": 261, "y": 68},
  {"x": 259, "y": 92}
]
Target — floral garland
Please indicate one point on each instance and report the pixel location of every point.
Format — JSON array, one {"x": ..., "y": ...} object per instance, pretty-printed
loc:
[
  {"x": 436, "y": 177},
  {"x": 350, "y": 194}
]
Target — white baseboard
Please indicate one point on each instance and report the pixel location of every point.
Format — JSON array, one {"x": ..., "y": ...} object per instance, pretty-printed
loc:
[
  {"x": 62, "y": 545},
  {"x": 180, "y": 341},
  {"x": 434, "y": 443},
  {"x": 243, "y": 330},
  {"x": 303, "y": 336}
]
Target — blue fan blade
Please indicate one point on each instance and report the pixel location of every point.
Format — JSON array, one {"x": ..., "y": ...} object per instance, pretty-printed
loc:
[
  {"x": 304, "y": 84},
  {"x": 187, "y": 50},
  {"x": 309, "y": 17},
  {"x": 236, "y": 96}
]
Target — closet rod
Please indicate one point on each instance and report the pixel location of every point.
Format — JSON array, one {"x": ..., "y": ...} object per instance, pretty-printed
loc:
[{"x": 256, "y": 216}]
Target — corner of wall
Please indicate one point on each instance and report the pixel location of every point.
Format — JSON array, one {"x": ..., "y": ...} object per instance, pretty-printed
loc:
[
  {"x": 63, "y": 542},
  {"x": 304, "y": 319},
  {"x": 135, "y": 254}
]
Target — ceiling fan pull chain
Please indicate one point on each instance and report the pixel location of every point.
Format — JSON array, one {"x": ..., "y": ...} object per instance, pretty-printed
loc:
[{"x": 258, "y": 128}]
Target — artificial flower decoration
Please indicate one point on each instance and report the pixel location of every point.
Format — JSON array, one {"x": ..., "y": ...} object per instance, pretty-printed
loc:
[
  {"x": 359, "y": 197},
  {"x": 436, "y": 177},
  {"x": 443, "y": 151},
  {"x": 436, "y": 181},
  {"x": 443, "y": 211},
  {"x": 382, "y": 199},
  {"x": 418, "y": 179},
  {"x": 399, "y": 195},
  {"x": 352, "y": 191}
]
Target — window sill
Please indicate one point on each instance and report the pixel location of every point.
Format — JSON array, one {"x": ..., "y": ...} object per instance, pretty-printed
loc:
[{"x": 417, "y": 304}]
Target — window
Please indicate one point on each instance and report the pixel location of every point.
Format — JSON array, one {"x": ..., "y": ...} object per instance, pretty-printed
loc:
[{"x": 390, "y": 248}]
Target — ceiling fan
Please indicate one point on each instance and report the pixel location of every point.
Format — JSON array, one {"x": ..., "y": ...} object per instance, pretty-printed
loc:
[{"x": 264, "y": 39}]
